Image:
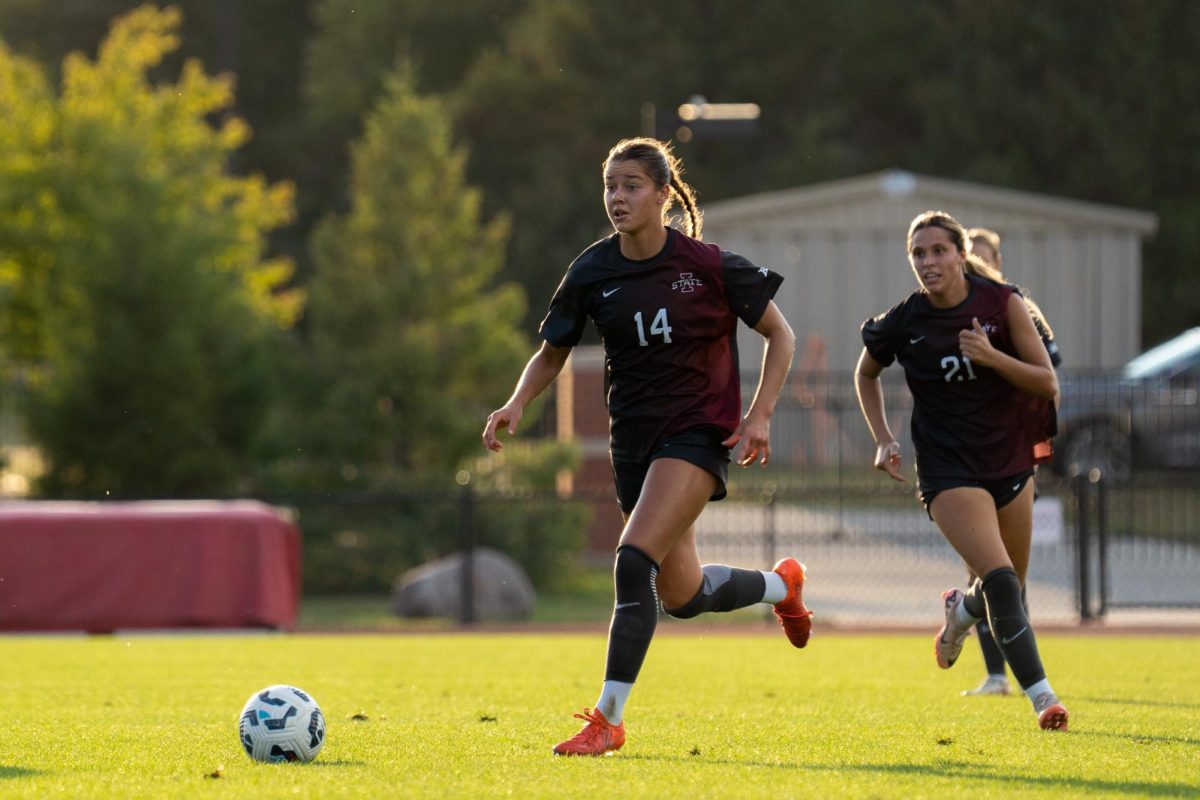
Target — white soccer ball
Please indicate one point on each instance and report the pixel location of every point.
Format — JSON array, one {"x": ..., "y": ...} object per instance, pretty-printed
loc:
[{"x": 282, "y": 723}]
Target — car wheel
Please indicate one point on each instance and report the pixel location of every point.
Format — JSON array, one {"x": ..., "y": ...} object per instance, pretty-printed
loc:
[{"x": 1099, "y": 446}]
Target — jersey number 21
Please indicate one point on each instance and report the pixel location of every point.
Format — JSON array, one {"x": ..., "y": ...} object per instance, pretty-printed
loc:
[{"x": 953, "y": 366}]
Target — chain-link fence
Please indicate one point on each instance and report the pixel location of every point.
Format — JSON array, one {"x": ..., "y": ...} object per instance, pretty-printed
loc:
[{"x": 1105, "y": 537}]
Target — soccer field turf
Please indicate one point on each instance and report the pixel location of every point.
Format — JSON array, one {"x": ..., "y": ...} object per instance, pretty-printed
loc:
[{"x": 714, "y": 715}]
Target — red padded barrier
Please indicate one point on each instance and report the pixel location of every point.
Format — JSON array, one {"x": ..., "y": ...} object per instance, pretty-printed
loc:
[{"x": 100, "y": 567}]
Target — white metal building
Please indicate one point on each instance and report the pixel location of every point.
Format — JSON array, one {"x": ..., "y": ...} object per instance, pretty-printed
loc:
[{"x": 840, "y": 246}]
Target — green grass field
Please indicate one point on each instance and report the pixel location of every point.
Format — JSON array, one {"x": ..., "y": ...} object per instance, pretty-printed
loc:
[{"x": 716, "y": 714}]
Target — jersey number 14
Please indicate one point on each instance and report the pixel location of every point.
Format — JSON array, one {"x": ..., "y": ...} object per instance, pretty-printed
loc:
[{"x": 658, "y": 327}]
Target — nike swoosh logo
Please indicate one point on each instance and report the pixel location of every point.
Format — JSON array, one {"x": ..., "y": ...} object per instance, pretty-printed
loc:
[
  {"x": 611, "y": 291},
  {"x": 627, "y": 605},
  {"x": 914, "y": 341},
  {"x": 1013, "y": 638},
  {"x": 1016, "y": 486}
]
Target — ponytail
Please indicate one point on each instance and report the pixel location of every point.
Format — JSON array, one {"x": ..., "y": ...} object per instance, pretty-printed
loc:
[{"x": 974, "y": 265}]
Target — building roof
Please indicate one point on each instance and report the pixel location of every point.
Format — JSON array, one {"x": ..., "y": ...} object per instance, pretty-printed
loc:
[{"x": 899, "y": 187}]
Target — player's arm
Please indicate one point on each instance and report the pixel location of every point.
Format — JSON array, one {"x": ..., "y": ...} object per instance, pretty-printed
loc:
[
  {"x": 539, "y": 373},
  {"x": 754, "y": 431},
  {"x": 870, "y": 400},
  {"x": 1032, "y": 372}
]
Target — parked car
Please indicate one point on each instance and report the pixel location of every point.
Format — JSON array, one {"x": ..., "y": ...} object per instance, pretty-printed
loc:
[{"x": 1146, "y": 416}]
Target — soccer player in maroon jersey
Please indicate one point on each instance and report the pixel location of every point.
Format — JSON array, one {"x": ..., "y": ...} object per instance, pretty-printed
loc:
[
  {"x": 984, "y": 394},
  {"x": 666, "y": 306},
  {"x": 984, "y": 244}
]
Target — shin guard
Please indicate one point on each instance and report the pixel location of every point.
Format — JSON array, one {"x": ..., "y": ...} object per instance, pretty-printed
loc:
[
  {"x": 723, "y": 589},
  {"x": 635, "y": 614},
  {"x": 1010, "y": 626}
]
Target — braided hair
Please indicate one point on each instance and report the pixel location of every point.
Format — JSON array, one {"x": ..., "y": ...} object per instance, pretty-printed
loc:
[{"x": 664, "y": 169}]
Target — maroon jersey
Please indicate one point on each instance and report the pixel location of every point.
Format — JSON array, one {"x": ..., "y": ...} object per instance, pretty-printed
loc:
[
  {"x": 669, "y": 328},
  {"x": 967, "y": 420}
]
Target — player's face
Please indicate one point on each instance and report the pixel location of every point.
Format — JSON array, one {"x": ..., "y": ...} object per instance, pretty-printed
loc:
[
  {"x": 936, "y": 261},
  {"x": 631, "y": 199},
  {"x": 981, "y": 248}
]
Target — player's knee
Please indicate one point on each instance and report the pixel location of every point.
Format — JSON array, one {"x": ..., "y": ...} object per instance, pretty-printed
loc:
[
  {"x": 723, "y": 589},
  {"x": 692, "y": 608},
  {"x": 1006, "y": 612},
  {"x": 634, "y": 576},
  {"x": 1003, "y": 586}
]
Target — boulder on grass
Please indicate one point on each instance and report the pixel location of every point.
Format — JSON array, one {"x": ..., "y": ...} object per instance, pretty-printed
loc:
[{"x": 501, "y": 589}]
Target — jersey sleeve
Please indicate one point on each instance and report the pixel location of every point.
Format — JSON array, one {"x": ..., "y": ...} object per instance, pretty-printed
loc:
[
  {"x": 566, "y": 318},
  {"x": 881, "y": 335},
  {"x": 748, "y": 288},
  {"x": 1043, "y": 326}
]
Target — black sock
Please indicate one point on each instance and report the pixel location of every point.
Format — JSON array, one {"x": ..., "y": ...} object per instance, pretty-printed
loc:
[
  {"x": 1010, "y": 626},
  {"x": 993, "y": 659},
  {"x": 973, "y": 600},
  {"x": 635, "y": 614},
  {"x": 723, "y": 589}
]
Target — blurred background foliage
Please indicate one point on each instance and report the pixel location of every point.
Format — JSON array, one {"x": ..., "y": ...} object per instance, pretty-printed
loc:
[{"x": 288, "y": 247}]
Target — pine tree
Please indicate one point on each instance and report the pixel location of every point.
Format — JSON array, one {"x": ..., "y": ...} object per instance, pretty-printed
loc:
[{"x": 411, "y": 341}]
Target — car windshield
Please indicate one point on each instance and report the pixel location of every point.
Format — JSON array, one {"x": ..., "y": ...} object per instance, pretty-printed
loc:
[{"x": 1163, "y": 356}]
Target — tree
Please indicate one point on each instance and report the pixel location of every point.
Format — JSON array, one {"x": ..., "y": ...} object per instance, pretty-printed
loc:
[
  {"x": 137, "y": 297},
  {"x": 410, "y": 342}
]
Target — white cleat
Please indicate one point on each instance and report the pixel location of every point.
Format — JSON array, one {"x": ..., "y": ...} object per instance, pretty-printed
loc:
[
  {"x": 992, "y": 685},
  {"x": 949, "y": 641}
]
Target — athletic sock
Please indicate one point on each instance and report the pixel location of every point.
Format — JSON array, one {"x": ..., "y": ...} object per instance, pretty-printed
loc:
[
  {"x": 963, "y": 617},
  {"x": 611, "y": 704},
  {"x": 1010, "y": 626},
  {"x": 635, "y": 614},
  {"x": 993, "y": 659},
  {"x": 728, "y": 589},
  {"x": 776, "y": 591},
  {"x": 1038, "y": 689}
]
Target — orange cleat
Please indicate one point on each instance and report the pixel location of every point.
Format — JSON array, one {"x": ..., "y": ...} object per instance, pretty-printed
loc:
[
  {"x": 1051, "y": 714},
  {"x": 793, "y": 616},
  {"x": 599, "y": 737}
]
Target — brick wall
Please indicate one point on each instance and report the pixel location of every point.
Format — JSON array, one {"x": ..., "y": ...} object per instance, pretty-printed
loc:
[{"x": 581, "y": 415}]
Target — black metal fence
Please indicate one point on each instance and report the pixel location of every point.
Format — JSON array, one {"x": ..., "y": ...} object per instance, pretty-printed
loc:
[
  {"x": 873, "y": 555},
  {"x": 1111, "y": 532},
  {"x": 1114, "y": 529}
]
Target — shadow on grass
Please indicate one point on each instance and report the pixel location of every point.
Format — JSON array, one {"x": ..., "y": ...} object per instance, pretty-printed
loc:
[
  {"x": 1139, "y": 738},
  {"x": 17, "y": 772},
  {"x": 959, "y": 771},
  {"x": 1134, "y": 701}
]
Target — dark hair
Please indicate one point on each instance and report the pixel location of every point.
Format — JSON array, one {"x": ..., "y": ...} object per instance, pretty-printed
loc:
[{"x": 664, "y": 169}]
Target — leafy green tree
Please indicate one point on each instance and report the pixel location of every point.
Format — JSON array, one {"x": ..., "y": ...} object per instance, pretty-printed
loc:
[
  {"x": 136, "y": 294},
  {"x": 1091, "y": 101},
  {"x": 410, "y": 341}
]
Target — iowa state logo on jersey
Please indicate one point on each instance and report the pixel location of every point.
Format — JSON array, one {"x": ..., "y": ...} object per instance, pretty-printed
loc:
[{"x": 686, "y": 282}]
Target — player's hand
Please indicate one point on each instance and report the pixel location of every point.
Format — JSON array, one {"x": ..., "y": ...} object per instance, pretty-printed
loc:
[
  {"x": 498, "y": 420},
  {"x": 887, "y": 458},
  {"x": 755, "y": 437},
  {"x": 976, "y": 346}
]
